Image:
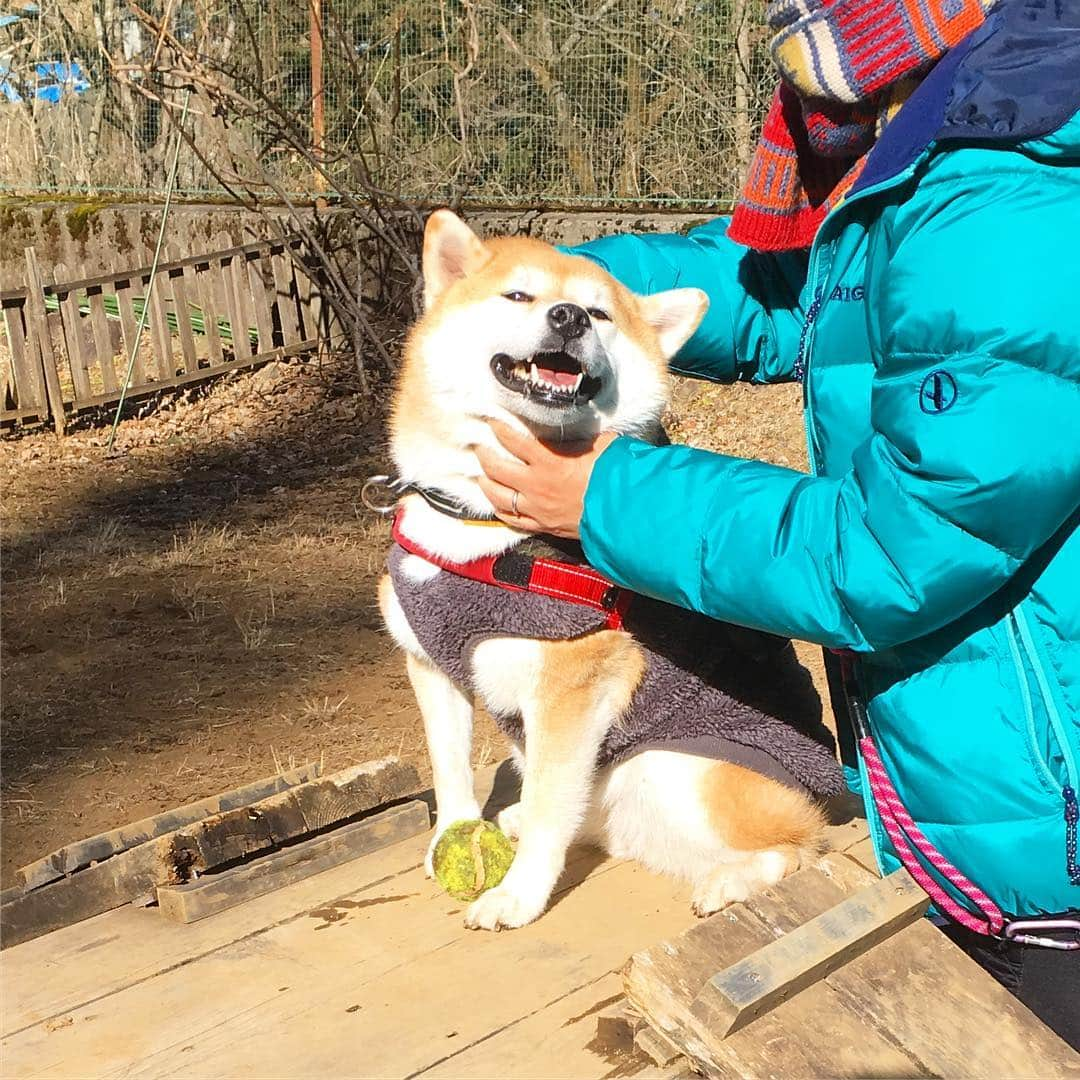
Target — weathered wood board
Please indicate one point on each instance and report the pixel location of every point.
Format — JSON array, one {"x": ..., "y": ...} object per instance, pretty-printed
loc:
[
  {"x": 914, "y": 1004},
  {"x": 173, "y": 857},
  {"x": 82, "y": 853},
  {"x": 739, "y": 994},
  {"x": 367, "y": 970},
  {"x": 364, "y": 970},
  {"x": 213, "y": 893}
]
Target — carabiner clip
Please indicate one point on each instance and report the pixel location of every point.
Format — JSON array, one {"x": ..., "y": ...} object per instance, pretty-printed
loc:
[
  {"x": 374, "y": 483},
  {"x": 1015, "y": 931}
]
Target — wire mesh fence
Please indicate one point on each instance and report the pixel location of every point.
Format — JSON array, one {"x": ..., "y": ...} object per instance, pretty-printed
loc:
[{"x": 503, "y": 102}]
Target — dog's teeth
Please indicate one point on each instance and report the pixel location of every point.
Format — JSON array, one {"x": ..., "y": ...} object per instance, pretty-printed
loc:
[
  {"x": 578, "y": 381},
  {"x": 534, "y": 375}
]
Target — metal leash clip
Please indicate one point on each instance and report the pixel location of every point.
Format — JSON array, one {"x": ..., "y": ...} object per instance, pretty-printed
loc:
[
  {"x": 392, "y": 487},
  {"x": 1015, "y": 931}
]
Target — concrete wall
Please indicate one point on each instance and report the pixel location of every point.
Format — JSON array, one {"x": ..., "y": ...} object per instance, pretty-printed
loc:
[{"x": 94, "y": 238}]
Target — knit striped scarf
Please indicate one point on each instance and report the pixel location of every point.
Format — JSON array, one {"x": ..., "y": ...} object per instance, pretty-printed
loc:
[{"x": 846, "y": 66}]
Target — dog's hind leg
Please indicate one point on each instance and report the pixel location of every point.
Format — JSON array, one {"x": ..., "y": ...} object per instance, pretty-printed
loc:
[
  {"x": 448, "y": 720},
  {"x": 569, "y": 694},
  {"x": 768, "y": 829}
]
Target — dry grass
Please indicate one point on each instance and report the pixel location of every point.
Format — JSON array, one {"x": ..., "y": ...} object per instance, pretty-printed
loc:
[
  {"x": 200, "y": 544},
  {"x": 196, "y": 615}
]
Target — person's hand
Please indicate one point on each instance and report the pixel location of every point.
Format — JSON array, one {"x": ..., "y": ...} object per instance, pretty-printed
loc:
[{"x": 543, "y": 488}]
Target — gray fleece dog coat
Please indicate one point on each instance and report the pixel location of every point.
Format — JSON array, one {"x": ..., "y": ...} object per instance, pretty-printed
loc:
[{"x": 709, "y": 688}]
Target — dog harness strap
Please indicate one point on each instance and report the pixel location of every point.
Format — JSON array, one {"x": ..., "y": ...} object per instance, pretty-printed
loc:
[{"x": 523, "y": 573}]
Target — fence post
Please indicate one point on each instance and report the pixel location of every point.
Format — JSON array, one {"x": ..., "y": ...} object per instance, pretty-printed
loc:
[
  {"x": 38, "y": 325},
  {"x": 743, "y": 120}
]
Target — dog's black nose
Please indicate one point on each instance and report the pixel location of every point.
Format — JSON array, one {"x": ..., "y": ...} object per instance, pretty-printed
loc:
[{"x": 568, "y": 320}]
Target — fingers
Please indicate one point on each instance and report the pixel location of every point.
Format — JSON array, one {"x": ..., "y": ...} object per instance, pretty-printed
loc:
[
  {"x": 501, "y": 498},
  {"x": 503, "y": 470},
  {"x": 499, "y": 495},
  {"x": 521, "y": 444}
]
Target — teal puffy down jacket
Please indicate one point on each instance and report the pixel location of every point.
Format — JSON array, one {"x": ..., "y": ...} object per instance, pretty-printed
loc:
[{"x": 936, "y": 326}]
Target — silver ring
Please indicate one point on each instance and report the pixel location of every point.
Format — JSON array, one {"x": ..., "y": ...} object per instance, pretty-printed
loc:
[
  {"x": 370, "y": 493},
  {"x": 513, "y": 504}
]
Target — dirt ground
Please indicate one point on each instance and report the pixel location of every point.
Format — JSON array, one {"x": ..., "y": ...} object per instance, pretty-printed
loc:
[{"x": 199, "y": 610}]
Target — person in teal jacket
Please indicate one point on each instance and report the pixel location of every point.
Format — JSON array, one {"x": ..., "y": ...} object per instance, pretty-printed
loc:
[{"x": 934, "y": 321}]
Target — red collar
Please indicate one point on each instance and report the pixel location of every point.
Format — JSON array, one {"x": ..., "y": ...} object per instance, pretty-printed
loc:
[{"x": 523, "y": 573}]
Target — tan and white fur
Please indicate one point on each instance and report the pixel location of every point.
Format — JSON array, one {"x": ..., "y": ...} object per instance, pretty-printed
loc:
[{"x": 725, "y": 829}]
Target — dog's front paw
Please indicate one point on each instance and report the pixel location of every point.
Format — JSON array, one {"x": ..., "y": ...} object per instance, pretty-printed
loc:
[
  {"x": 509, "y": 821},
  {"x": 504, "y": 908},
  {"x": 443, "y": 821},
  {"x": 429, "y": 858}
]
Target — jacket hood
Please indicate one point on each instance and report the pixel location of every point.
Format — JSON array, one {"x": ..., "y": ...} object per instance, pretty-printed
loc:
[{"x": 1012, "y": 81}]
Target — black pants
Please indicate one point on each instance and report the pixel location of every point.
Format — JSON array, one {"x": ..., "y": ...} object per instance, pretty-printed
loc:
[{"x": 1047, "y": 981}]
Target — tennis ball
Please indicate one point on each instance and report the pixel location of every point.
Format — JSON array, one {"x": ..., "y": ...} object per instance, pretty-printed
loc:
[{"x": 470, "y": 857}]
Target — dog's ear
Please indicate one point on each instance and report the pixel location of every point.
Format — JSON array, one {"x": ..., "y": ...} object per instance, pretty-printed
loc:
[
  {"x": 451, "y": 251},
  {"x": 674, "y": 315}
]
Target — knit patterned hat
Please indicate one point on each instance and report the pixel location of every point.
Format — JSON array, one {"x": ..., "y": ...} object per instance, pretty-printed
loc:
[{"x": 846, "y": 67}]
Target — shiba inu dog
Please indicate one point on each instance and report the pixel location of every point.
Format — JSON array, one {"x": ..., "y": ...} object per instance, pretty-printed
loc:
[{"x": 646, "y": 736}]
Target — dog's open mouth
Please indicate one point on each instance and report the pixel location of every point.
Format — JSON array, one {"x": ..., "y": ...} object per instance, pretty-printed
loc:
[{"x": 554, "y": 378}]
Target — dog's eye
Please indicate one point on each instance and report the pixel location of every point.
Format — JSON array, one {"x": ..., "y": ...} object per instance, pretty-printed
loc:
[
  {"x": 519, "y": 297},
  {"x": 599, "y": 313}
]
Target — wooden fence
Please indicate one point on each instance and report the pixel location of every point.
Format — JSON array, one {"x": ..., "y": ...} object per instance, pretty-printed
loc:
[{"x": 69, "y": 341}]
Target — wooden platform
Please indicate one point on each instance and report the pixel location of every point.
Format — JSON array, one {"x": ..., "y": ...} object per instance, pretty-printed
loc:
[{"x": 364, "y": 970}]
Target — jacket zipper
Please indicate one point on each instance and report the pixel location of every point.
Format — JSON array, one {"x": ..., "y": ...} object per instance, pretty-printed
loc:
[
  {"x": 1018, "y": 623},
  {"x": 1024, "y": 647},
  {"x": 799, "y": 370},
  {"x": 802, "y": 360}
]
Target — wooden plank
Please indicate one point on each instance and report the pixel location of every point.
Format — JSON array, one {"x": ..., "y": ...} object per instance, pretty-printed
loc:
[
  {"x": 261, "y": 296},
  {"x": 657, "y": 1047},
  {"x": 238, "y": 339},
  {"x": 214, "y": 893},
  {"x": 202, "y": 374},
  {"x": 554, "y": 1043},
  {"x": 71, "y": 323},
  {"x": 305, "y": 288},
  {"x": 79, "y": 964},
  {"x": 318, "y": 316},
  {"x": 105, "y": 354},
  {"x": 29, "y": 378},
  {"x": 925, "y": 993},
  {"x": 797, "y": 1039},
  {"x": 129, "y": 324},
  {"x": 177, "y": 856},
  {"x": 182, "y": 309},
  {"x": 863, "y": 853},
  {"x": 39, "y": 333},
  {"x": 617, "y": 1026},
  {"x": 142, "y": 273},
  {"x": 82, "y": 853},
  {"x": 285, "y": 297},
  {"x": 206, "y": 274},
  {"x": 741, "y": 993},
  {"x": 158, "y": 327},
  {"x": 237, "y": 268},
  {"x": 386, "y": 969},
  {"x": 10, "y": 415}
]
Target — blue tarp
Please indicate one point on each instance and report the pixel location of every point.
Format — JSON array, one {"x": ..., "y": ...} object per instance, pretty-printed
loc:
[{"x": 52, "y": 80}]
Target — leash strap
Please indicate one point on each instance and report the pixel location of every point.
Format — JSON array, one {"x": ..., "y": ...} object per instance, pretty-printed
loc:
[
  {"x": 908, "y": 839},
  {"x": 544, "y": 577},
  {"x": 902, "y": 828}
]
